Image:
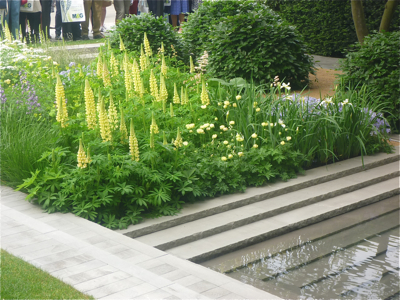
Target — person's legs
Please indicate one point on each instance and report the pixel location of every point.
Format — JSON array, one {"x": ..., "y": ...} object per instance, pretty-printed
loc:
[
  {"x": 58, "y": 19},
  {"x": 103, "y": 16},
  {"x": 46, "y": 10},
  {"x": 127, "y": 4},
  {"x": 22, "y": 23},
  {"x": 12, "y": 17},
  {"x": 119, "y": 10},
  {"x": 97, "y": 6},
  {"x": 85, "y": 25},
  {"x": 34, "y": 21}
]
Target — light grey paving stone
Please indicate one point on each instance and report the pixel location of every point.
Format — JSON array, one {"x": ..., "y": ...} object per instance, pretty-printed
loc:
[
  {"x": 127, "y": 254},
  {"x": 137, "y": 246},
  {"x": 138, "y": 258},
  {"x": 247, "y": 291},
  {"x": 155, "y": 262},
  {"x": 60, "y": 224},
  {"x": 13, "y": 200},
  {"x": 12, "y": 230},
  {"x": 183, "y": 292},
  {"x": 216, "y": 293},
  {"x": 4, "y": 218},
  {"x": 30, "y": 222},
  {"x": 175, "y": 275},
  {"x": 132, "y": 292},
  {"x": 117, "y": 248},
  {"x": 44, "y": 260},
  {"x": 188, "y": 280},
  {"x": 68, "y": 262},
  {"x": 162, "y": 269},
  {"x": 36, "y": 246},
  {"x": 101, "y": 281},
  {"x": 89, "y": 275},
  {"x": 75, "y": 230},
  {"x": 157, "y": 294},
  {"x": 202, "y": 286},
  {"x": 69, "y": 240},
  {"x": 173, "y": 297},
  {"x": 53, "y": 249},
  {"x": 22, "y": 239},
  {"x": 232, "y": 296},
  {"x": 96, "y": 239},
  {"x": 19, "y": 204},
  {"x": 106, "y": 244},
  {"x": 74, "y": 270},
  {"x": 115, "y": 287},
  {"x": 85, "y": 234},
  {"x": 34, "y": 212}
]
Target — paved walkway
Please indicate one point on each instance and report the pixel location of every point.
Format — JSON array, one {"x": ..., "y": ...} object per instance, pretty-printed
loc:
[{"x": 106, "y": 264}]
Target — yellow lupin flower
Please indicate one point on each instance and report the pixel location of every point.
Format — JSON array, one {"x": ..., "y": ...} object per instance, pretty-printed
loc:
[
  {"x": 176, "y": 99},
  {"x": 204, "y": 95},
  {"x": 183, "y": 101},
  {"x": 99, "y": 70},
  {"x": 121, "y": 44},
  {"x": 122, "y": 128},
  {"x": 142, "y": 59},
  {"x": 178, "y": 142},
  {"x": 191, "y": 65},
  {"x": 62, "y": 112},
  {"x": 147, "y": 45},
  {"x": 127, "y": 77},
  {"x": 162, "y": 47},
  {"x": 82, "y": 159},
  {"x": 133, "y": 144},
  {"x": 136, "y": 76},
  {"x": 164, "y": 68},
  {"x": 153, "y": 86},
  {"x": 106, "y": 76},
  {"x": 163, "y": 89},
  {"x": 105, "y": 130},
  {"x": 153, "y": 126},
  {"x": 112, "y": 114},
  {"x": 90, "y": 106},
  {"x": 7, "y": 33},
  {"x": 113, "y": 65}
]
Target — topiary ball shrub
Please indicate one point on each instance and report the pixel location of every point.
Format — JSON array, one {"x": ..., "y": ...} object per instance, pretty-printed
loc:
[
  {"x": 376, "y": 64},
  {"x": 247, "y": 39},
  {"x": 132, "y": 29}
]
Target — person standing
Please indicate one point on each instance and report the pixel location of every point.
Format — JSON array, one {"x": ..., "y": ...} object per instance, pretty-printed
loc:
[
  {"x": 179, "y": 8},
  {"x": 58, "y": 20},
  {"x": 12, "y": 17},
  {"x": 33, "y": 17},
  {"x": 121, "y": 9},
  {"x": 46, "y": 10},
  {"x": 96, "y": 7}
]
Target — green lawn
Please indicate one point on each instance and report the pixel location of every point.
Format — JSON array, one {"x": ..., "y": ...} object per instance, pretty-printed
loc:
[{"x": 20, "y": 280}]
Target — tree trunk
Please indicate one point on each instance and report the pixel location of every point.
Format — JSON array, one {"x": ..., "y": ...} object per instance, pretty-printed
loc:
[
  {"x": 357, "y": 11},
  {"x": 390, "y": 7}
]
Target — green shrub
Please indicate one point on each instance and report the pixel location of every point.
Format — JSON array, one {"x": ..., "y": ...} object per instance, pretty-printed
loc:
[
  {"x": 327, "y": 26},
  {"x": 247, "y": 39},
  {"x": 376, "y": 64},
  {"x": 132, "y": 31}
]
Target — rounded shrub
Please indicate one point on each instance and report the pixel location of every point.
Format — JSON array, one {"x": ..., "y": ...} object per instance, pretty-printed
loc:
[
  {"x": 247, "y": 39},
  {"x": 132, "y": 29},
  {"x": 376, "y": 64}
]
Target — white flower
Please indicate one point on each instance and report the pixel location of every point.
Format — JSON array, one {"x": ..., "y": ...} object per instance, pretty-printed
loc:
[
  {"x": 185, "y": 143},
  {"x": 232, "y": 123},
  {"x": 200, "y": 131},
  {"x": 214, "y": 136},
  {"x": 240, "y": 154},
  {"x": 234, "y": 105},
  {"x": 282, "y": 143},
  {"x": 222, "y": 127},
  {"x": 223, "y": 158},
  {"x": 288, "y": 138},
  {"x": 203, "y": 106},
  {"x": 258, "y": 109},
  {"x": 226, "y": 142},
  {"x": 286, "y": 86},
  {"x": 346, "y": 102},
  {"x": 212, "y": 125},
  {"x": 255, "y": 146},
  {"x": 328, "y": 100},
  {"x": 230, "y": 156},
  {"x": 190, "y": 126},
  {"x": 238, "y": 97},
  {"x": 225, "y": 129},
  {"x": 226, "y": 102},
  {"x": 254, "y": 135}
]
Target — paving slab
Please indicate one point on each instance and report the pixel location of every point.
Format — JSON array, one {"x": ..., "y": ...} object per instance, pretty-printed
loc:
[{"x": 99, "y": 261}]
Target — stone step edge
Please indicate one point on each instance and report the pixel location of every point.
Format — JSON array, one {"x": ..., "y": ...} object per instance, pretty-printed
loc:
[
  {"x": 178, "y": 220},
  {"x": 285, "y": 229},
  {"x": 258, "y": 217}
]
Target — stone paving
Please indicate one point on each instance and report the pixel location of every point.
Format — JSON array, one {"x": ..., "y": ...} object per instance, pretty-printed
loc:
[{"x": 106, "y": 264}]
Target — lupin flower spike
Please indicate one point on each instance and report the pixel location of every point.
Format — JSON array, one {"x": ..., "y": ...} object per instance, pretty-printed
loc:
[
  {"x": 163, "y": 66},
  {"x": 62, "y": 112},
  {"x": 163, "y": 89},
  {"x": 204, "y": 94},
  {"x": 99, "y": 70},
  {"x": 178, "y": 142},
  {"x": 122, "y": 127},
  {"x": 113, "y": 65},
  {"x": 121, "y": 44},
  {"x": 191, "y": 65},
  {"x": 106, "y": 76},
  {"x": 176, "y": 99},
  {"x": 142, "y": 59},
  {"x": 133, "y": 144},
  {"x": 136, "y": 76},
  {"x": 105, "y": 130},
  {"x": 82, "y": 159},
  {"x": 153, "y": 86},
  {"x": 91, "y": 119},
  {"x": 153, "y": 126},
  {"x": 147, "y": 45},
  {"x": 182, "y": 96},
  {"x": 112, "y": 114},
  {"x": 162, "y": 47}
]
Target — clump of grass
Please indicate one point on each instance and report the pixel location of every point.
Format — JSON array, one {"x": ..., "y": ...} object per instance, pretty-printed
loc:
[{"x": 20, "y": 280}]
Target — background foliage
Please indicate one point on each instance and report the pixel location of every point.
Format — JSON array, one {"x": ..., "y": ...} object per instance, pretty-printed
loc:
[
  {"x": 377, "y": 65},
  {"x": 247, "y": 39},
  {"x": 327, "y": 26}
]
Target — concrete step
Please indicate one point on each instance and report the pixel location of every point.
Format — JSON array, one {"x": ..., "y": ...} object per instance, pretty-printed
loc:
[
  {"x": 201, "y": 228},
  {"x": 225, "y": 203},
  {"x": 256, "y": 232},
  {"x": 83, "y": 49},
  {"x": 296, "y": 239}
]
